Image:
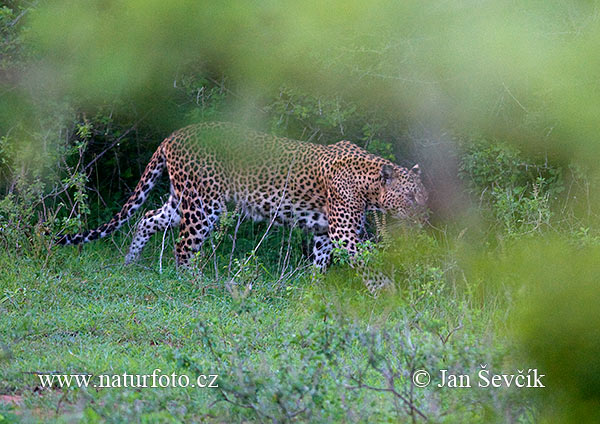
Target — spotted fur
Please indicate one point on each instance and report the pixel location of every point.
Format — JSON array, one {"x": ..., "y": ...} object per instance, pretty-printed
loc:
[{"x": 323, "y": 189}]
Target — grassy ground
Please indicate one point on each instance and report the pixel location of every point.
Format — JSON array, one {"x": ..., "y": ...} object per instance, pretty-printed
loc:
[{"x": 302, "y": 349}]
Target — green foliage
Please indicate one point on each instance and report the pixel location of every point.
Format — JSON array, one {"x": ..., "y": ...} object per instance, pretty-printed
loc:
[
  {"x": 519, "y": 193},
  {"x": 11, "y": 36},
  {"x": 207, "y": 96},
  {"x": 327, "y": 119},
  {"x": 16, "y": 215},
  {"x": 555, "y": 320},
  {"x": 295, "y": 112},
  {"x": 309, "y": 352}
]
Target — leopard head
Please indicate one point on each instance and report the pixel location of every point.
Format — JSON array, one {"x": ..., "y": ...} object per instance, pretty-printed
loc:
[{"x": 402, "y": 192}]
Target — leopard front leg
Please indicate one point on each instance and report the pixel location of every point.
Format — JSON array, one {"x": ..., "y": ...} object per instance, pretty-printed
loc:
[
  {"x": 344, "y": 227},
  {"x": 345, "y": 220}
]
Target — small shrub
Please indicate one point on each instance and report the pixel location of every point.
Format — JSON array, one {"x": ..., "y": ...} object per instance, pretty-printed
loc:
[{"x": 518, "y": 191}]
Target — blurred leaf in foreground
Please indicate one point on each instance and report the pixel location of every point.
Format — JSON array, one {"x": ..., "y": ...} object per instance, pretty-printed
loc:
[{"x": 556, "y": 322}]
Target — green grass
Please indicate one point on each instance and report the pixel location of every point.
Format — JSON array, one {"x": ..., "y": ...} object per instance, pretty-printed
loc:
[{"x": 298, "y": 350}]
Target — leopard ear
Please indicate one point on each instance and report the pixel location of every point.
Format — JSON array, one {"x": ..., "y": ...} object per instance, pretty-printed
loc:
[
  {"x": 416, "y": 170},
  {"x": 387, "y": 172}
]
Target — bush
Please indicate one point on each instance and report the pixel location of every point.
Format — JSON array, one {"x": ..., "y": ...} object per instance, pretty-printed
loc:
[{"x": 516, "y": 190}]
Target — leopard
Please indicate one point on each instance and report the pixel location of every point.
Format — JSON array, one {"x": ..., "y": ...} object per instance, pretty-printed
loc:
[{"x": 325, "y": 189}]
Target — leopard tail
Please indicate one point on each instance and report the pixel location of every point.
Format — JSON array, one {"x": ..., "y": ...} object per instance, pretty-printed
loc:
[{"x": 148, "y": 180}]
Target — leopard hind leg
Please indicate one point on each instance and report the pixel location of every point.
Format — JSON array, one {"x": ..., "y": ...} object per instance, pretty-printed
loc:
[{"x": 154, "y": 221}]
